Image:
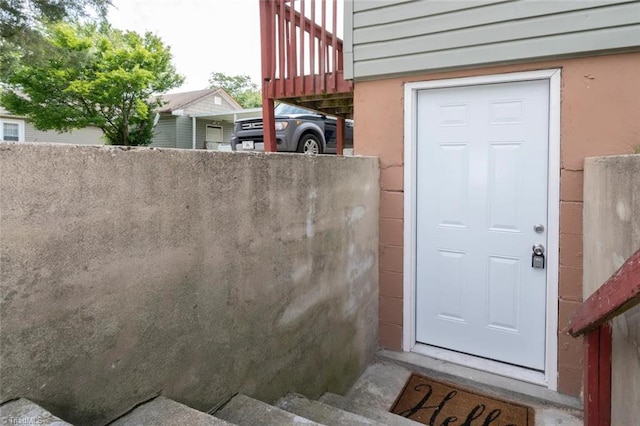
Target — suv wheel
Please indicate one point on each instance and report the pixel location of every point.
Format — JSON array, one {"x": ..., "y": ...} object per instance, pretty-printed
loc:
[{"x": 310, "y": 144}]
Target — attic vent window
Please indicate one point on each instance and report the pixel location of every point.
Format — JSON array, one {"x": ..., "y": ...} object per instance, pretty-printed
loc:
[{"x": 217, "y": 100}]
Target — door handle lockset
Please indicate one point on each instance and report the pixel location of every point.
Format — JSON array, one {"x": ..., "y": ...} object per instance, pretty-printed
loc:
[{"x": 537, "y": 259}]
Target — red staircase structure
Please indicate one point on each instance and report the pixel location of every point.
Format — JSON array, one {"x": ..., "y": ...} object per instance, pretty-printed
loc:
[
  {"x": 618, "y": 294},
  {"x": 302, "y": 62}
]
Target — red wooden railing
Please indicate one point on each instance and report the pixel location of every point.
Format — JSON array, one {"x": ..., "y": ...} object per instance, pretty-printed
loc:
[
  {"x": 302, "y": 60},
  {"x": 618, "y": 294}
]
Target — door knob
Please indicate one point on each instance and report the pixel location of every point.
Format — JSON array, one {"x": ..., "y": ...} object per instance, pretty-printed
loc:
[{"x": 538, "y": 249}]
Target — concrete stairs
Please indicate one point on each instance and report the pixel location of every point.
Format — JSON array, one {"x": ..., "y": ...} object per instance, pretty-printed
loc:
[
  {"x": 291, "y": 409},
  {"x": 164, "y": 411},
  {"x": 367, "y": 403},
  {"x": 25, "y": 412},
  {"x": 242, "y": 410}
]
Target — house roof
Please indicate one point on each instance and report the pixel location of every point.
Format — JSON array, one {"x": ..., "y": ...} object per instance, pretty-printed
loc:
[
  {"x": 176, "y": 101},
  {"x": 7, "y": 114}
]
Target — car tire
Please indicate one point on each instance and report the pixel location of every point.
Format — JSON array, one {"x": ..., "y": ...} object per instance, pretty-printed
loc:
[{"x": 310, "y": 144}]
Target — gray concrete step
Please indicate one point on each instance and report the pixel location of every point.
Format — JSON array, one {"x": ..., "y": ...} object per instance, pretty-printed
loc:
[
  {"x": 379, "y": 385},
  {"x": 163, "y": 411},
  {"x": 24, "y": 412},
  {"x": 379, "y": 416},
  {"x": 321, "y": 413},
  {"x": 245, "y": 411}
]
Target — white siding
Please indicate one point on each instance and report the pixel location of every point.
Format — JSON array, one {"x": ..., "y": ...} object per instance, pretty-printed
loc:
[{"x": 395, "y": 37}]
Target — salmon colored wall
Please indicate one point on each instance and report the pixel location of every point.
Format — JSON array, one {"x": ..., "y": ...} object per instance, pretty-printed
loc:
[{"x": 600, "y": 116}]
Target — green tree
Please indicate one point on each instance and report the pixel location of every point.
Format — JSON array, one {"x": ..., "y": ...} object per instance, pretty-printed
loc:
[
  {"x": 16, "y": 16},
  {"x": 244, "y": 91},
  {"x": 21, "y": 23},
  {"x": 94, "y": 75}
]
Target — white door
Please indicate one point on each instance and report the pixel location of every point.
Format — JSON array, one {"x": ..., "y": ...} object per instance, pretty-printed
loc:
[
  {"x": 213, "y": 134},
  {"x": 482, "y": 159}
]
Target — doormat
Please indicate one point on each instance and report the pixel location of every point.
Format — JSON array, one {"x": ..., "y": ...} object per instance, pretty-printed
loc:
[{"x": 435, "y": 403}]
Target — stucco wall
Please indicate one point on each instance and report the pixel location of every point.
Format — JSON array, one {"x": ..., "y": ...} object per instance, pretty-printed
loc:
[
  {"x": 599, "y": 116},
  {"x": 194, "y": 274},
  {"x": 611, "y": 235}
]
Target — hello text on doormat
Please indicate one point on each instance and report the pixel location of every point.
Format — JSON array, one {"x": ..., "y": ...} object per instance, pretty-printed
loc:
[{"x": 435, "y": 403}]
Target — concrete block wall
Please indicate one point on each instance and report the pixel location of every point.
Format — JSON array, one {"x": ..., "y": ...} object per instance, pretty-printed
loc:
[
  {"x": 192, "y": 274},
  {"x": 612, "y": 235}
]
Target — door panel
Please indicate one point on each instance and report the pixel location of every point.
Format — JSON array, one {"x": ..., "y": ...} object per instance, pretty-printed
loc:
[{"x": 482, "y": 159}]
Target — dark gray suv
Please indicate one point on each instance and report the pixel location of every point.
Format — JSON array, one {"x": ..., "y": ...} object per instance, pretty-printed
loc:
[{"x": 297, "y": 130}]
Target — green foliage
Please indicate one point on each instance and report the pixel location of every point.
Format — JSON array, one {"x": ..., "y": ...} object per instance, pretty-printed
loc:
[
  {"x": 22, "y": 22},
  {"x": 16, "y": 16},
  {"x": 240, "y": 87},
  {"x": 94, "y": 75}
]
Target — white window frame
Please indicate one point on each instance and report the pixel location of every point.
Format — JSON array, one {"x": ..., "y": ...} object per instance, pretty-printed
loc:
[{"x": 20, "y": 124}]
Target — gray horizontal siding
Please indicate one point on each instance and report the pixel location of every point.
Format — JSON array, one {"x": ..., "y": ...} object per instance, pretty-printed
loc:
[
  {"x": 183, "y": 132},
  {"x": 412, "y": 36},
  {"x": 393, "y": 11},
  {"x": 84, "y": 136},
  {"x": 227, "y": 131},
  {"x": 165, "y": 133},
  {"x": 208, "y": 106},
  {"x": 362, "y": 5}
]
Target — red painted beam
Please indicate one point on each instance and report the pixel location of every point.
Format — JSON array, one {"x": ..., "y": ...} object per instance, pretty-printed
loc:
[
  {"x": 322, "y": 46},
  {"x": 300, "y": 88},
  {"x": 604, "y": 381},
  {"x": 281, "y": 46},
  {"x": 269, "y": 124},
  {"x": 340, "y": 135},
  {"x": 310, "y": 81},
  {"x": 267, "y": 47},
  {"x": 618, "y": 294},
  {"x": 334, "y": 43},
  {"x": 312, "y": 43},
  {"x": 597, "y": 377}
]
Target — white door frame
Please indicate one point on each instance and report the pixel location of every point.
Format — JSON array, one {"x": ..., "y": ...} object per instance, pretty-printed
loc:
[{"x": 549, "y": 377}]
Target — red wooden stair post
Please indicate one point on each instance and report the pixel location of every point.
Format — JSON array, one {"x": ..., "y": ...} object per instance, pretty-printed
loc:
[{"x": 618, "y": 294}]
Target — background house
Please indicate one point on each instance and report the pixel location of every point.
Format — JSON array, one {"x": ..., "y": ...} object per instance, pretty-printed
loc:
[
  {"x": 193, "y": 119},
  {"x": 211, "y": 112},
  {"x": 18, "y": 129}
]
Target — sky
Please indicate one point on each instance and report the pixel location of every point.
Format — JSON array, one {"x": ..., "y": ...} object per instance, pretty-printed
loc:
[{"x": 204, "y": 35}]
